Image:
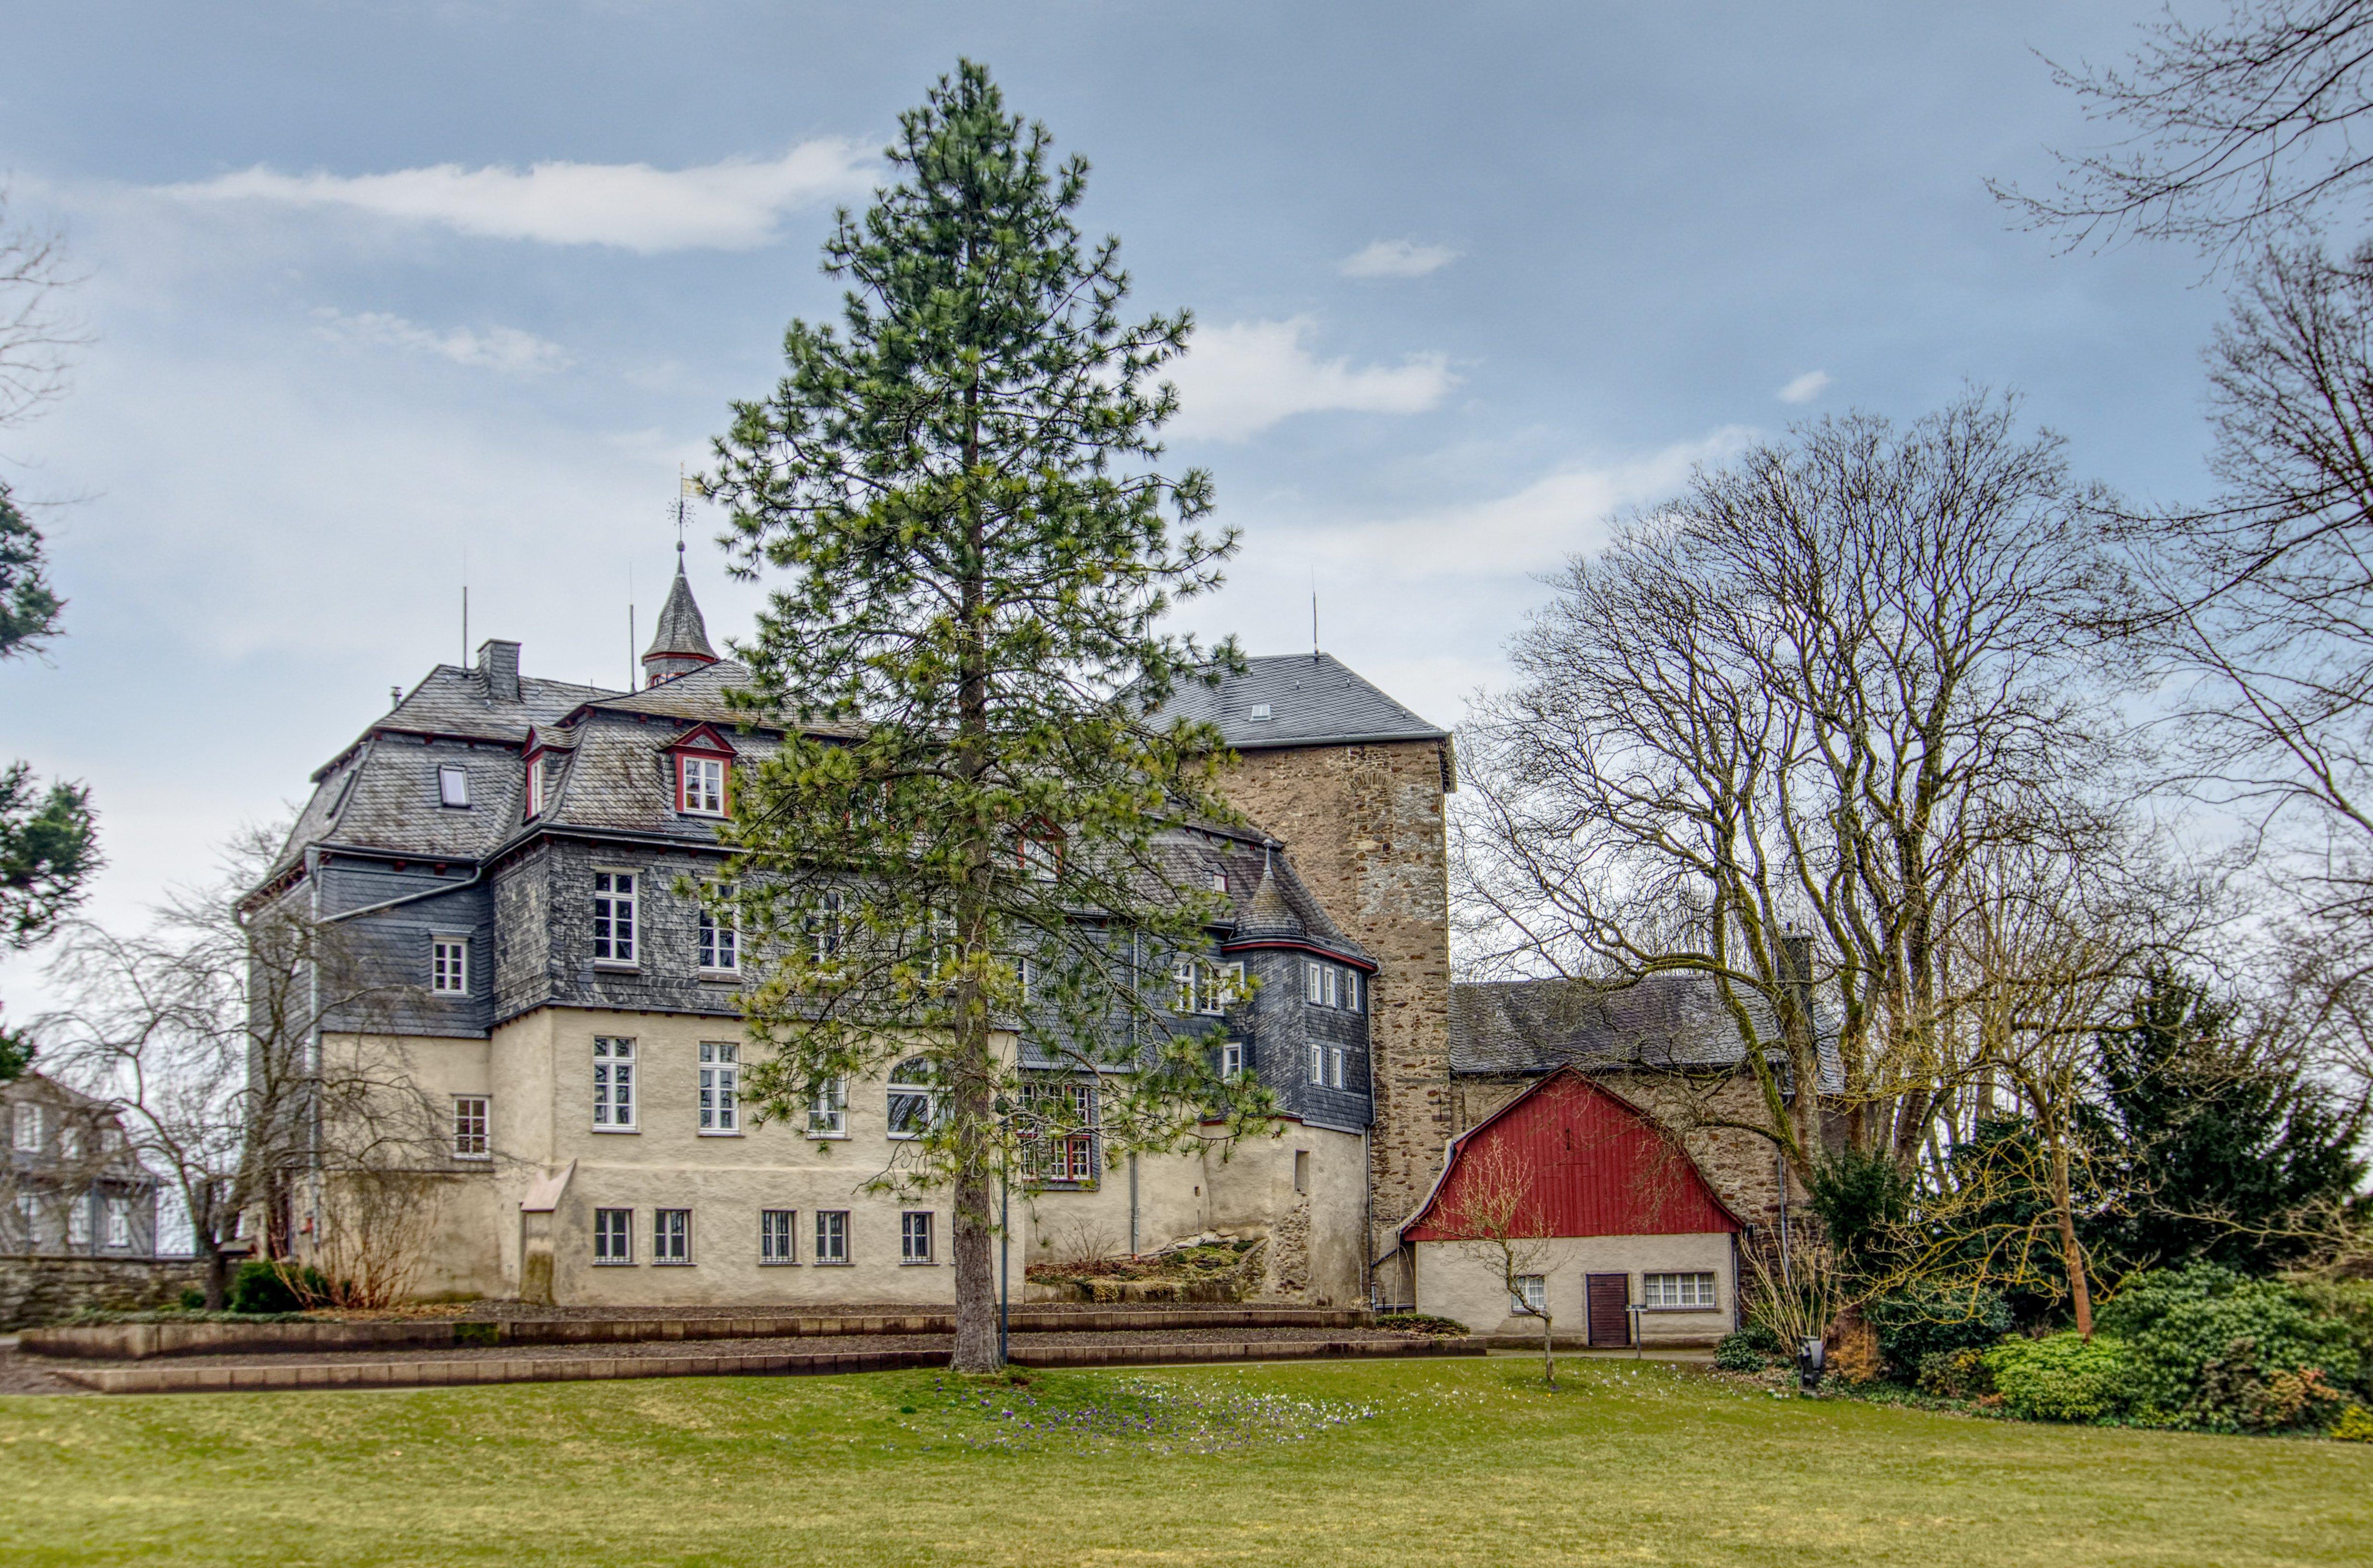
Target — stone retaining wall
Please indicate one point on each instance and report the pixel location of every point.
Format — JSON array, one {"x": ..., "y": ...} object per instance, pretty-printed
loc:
[{"x": 48, "y": 1288}]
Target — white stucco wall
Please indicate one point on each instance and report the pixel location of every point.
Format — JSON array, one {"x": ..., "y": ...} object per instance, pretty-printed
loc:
[{"x": 1453, "y": 1281}]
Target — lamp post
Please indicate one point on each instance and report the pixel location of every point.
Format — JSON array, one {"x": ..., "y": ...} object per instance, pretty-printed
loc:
[{"x": 1015, "y": 1123}]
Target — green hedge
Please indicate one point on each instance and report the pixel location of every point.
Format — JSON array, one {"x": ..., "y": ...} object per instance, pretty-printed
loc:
[{"x": 2060, "y": 1378}]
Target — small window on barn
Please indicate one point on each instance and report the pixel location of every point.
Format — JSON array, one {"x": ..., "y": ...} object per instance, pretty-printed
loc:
[
  {"x": 1676, "y": 1291},
  {"x": 1531, "y": 1294},
  {"x": 453, "y": 785}
]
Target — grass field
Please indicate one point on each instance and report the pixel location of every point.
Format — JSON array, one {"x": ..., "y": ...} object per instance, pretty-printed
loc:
[{"x": 1430, "y": 1464}]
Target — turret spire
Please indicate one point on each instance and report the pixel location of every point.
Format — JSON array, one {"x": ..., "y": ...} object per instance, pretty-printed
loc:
[{"x": 681, "y": 643}]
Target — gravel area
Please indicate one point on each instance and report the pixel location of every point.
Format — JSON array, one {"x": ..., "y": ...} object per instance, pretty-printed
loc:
[{"x": 20, "y": 1373}]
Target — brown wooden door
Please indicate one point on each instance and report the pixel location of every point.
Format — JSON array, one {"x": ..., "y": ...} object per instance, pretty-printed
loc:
[{"x": 1608, "y": 1297}]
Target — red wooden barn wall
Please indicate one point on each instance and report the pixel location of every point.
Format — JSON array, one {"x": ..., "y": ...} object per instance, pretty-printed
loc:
[{"x": 1594, "y": 1167}]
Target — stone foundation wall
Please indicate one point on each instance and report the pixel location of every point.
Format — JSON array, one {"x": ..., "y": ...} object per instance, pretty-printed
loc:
[
  {"x": 43, "y": 1288},
  {"x": 1364, "y": 825}
]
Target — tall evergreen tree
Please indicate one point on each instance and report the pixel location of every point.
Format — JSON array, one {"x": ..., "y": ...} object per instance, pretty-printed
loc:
[
  {"x": 2216, "y": 1143},
  {"x": 957, "y": 866}
]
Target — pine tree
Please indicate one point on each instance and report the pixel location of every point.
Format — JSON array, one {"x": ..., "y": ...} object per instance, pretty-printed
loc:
[{"x": 956, "y": 863}]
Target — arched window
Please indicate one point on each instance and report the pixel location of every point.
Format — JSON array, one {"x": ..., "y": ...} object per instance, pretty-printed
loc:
[{"x": 913, "y": 1097}]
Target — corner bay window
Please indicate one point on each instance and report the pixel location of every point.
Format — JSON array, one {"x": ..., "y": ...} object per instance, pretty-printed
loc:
[
  {"x": 719, "y": 1081},
  {"x": 614, "y": 1235},
  {"x": 613, "y": 917},
  {"x": 470, "y": 1128},
  {"x": 776, "y": 1229},
  {"x": 915, "y": 1236},
  {"x": 613, "y": 1085},
  {"x": 831, "y": 1236},
  {"x": 671, "y": 1235},
  {"x": 1670, "y": 1290},
  {"x": 700, "y": 786}
]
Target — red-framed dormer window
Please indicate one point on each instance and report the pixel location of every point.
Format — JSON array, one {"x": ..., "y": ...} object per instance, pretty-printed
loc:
[{"x": 700, "y": 784}]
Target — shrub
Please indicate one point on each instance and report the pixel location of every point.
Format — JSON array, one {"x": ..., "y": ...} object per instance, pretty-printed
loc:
[
  {"x": 2354, "y": 1425},
  {"x": 276, "y": 1287},
  {"x": 2060, "y": 1378},
  {"x": 1422, "y": 1323},
  {"x": 1744, "y": 1351},
  {"x": 194, "y": 1300},
  {"x": 2350, "y": 1303},
  {"x": 1856, "y": 1358},
  {"x": 2208, "y": 1346},
  {"x": 1956, "y": 1374},
  {"x": 1923, "y": 1320}
]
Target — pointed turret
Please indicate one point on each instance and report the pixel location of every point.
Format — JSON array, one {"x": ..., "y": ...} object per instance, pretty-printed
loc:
[{"x": 681, "y": 644}]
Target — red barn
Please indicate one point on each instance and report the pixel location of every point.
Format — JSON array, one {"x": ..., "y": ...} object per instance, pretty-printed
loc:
[{"x": 1612, "y": 1225}]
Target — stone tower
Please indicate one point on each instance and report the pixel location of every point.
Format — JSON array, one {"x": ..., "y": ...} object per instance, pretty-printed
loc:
[{"x": 1354, "y": 784}]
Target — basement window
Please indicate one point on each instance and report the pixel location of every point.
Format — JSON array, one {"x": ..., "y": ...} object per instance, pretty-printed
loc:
[{"x": 453, "y": 786}]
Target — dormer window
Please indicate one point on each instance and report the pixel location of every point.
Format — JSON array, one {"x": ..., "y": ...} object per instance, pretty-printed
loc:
[
  {"x": 535, "y": 784},
  {"x": 453, "y": 785},
  {"x": 1218, "y": 881},
  {"x": 700, "y": 786}
]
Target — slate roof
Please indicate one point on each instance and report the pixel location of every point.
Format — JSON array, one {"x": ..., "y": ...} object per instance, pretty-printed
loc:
[
  {"x": 1674, "y": 1020},
  {"x": 682, "y": 632},
  {"x": 454, "y": 701},
  {"x": 1312, "y": 698}
]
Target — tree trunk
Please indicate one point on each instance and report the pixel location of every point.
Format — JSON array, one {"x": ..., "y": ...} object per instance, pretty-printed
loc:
[
  {"x": 2072, "y": 1255},
  {"x": 1549, "y": 1353}
]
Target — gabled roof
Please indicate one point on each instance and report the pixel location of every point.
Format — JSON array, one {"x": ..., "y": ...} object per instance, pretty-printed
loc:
[
  {"x": 702, "y": 737},
  {"x": 1309, "y": 698},
  {"x": 1674, "y": 1020}
]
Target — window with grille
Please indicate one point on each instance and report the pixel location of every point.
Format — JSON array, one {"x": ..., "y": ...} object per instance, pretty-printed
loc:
[
  {"x": 721, "y": 1076},
  {"x": 613, "y": 917},
  {"x": 670, "y": 1235},
  {"x": 828, "y": 1109},
  {"x": 1064, "y": 1149},
  {"x": 702, "y": 784},
  {"x": 449, "y": 966},
  {"x": 1317, "y": 1062},
  {"x": 720, "y": 944},
  {"x": 1206, "y": 985},
  {"x": 1677, "y": 1290},
  {"x": 119, "y": 1222},
  {"x": 915, "y": 1236},
  {"x": 614, "y": 1085},
  {"x": 1313, "y": 984},
  {"x": 831, "y": 1236},
  {"x": 470, "y": 1127},
  {"x": 824, "y": 928},
  {"x": 453, "y": 786},
  {"x": 614, "y": 1235},
  {"x": 775, "y": 1233},
  {"x": 1532, "y": 1294},
  {"x": 78, "y": 1221}
]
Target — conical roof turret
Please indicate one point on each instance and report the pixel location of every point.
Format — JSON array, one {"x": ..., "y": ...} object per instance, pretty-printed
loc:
[{"x": 681, "y": 643}]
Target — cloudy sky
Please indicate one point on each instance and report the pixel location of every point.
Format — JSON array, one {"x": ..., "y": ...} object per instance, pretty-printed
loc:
[{"x": 384, "y": 293}]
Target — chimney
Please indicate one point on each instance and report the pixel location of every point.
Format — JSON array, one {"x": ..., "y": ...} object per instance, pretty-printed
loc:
[{"x": 498, "y": 667}]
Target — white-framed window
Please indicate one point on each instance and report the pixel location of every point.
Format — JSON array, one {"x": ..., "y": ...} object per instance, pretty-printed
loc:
[
  {"x": 1532, "y": 1294},
  {"x": 915, "y": 1236},
  {"x": 824, "y": 928},
  {"x": 614, "y": 1085},
  {"x": 1353, "y": 983},
  {"x": 535, "y": 784},
  {"x": 119, "y": 1222},
  {"x": 1206, "y": 985},
  {"x": 831, "y": 1236},
  {"x": 777, "y": 1229},
  {"x": 1330, "y": 979},
  {"x": 1219, "y": 880},
  {"x": 614, "y": 1235},
  {"x": 29, "y": 1221},
  {"x": 1025, "y": 978},
  {"x": 1232, "y": 1058},
  {"x": 452, "y": 785},
  {"x": 700, "y": 786},
  {"x": 78, "y": 1219},
  {"x": 828, "y": 1109},
  {"x": 449, "y": 966},
  {"x": 913, "y": 1097},
  {"x": 1335, "y": 1055},
  {"x": 1042, "y": 859},
  {"x": 1065, "y": 1150},
  {"x": 28, "y": 1127},
  {"x": 720, "y": 1084},
  {"x": 470, "y": 1128},
  {"x": 69, "y": 1142},
  {"x": 1312, "y": 983},
  {"x": 613, "y": 917},
  {"x": 1677, "y": 1290},
  {"x": 1317, "y": 1062},
  {"x": 671, "y": 1235},
  {"x": 720, "y": 943}
]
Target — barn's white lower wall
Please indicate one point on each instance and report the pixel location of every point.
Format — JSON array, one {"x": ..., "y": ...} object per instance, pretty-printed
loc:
[{"x": 1458, "y": 1280}]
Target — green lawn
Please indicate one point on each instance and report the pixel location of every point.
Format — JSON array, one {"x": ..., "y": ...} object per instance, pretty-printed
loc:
[{"x": 1429, "y": 1463}]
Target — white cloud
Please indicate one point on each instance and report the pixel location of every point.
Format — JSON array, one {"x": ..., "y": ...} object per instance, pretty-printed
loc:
[
  {"x": 1806, "y": 388},
  {"x": 1554, "y": 517},
  {"x": 1238, "y": 380},
  {"x": 1397, "y": 258},
  {"x": 733, "y": 206},
  {"x": 507, "y": 349}
]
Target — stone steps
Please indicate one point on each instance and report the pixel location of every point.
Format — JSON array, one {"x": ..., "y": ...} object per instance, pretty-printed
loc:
[
  {"x": 143, "y": 1341},
  {"x": 428, "y": 1372}
]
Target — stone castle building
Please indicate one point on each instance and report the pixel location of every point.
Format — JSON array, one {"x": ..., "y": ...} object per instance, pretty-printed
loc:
[{"x": 502, "y": 853}]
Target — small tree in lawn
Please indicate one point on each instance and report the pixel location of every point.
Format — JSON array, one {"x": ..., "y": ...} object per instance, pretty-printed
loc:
[
  {"x": 955, "y": 856},
  {"x": 1489, "y": 1217}
]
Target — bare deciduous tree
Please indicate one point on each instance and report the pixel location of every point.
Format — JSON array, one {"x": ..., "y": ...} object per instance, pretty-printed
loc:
[
  {"x": 1489, "y": 1217},
  {"x": 37, "y": 336}
]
